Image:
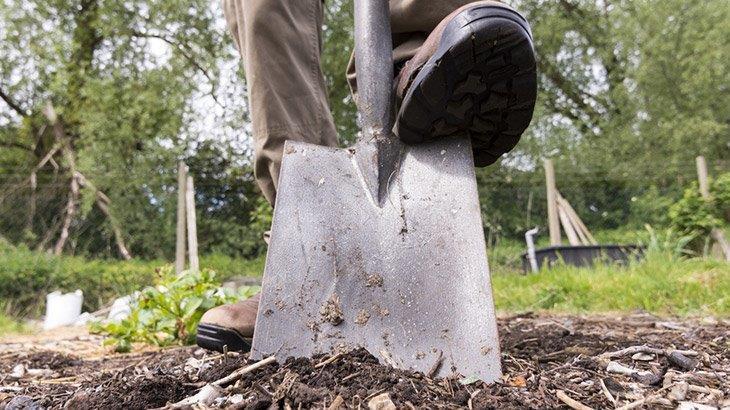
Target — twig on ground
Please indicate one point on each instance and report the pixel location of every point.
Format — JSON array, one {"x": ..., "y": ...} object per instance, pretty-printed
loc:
[
  {"x": 238, "y": 373},
  {"x": 647, "y": 399},
  {"x": 375, "y": 394},
  {"x": 346, "y": 378},
  {"x": 205, "y": 396},
  {"x": 261, "y": 389},
  {"x": 62, "y": 380},
  {"x": 414, "y": 387},
  {"x": 436, "y": 366},
  {"x": 672, "y": 326},
  {"x": 572, "y": 403},
  {"x": 706, "y": 390},
  {"x": 661, "y": 400},
  {"x": 644, "y": 349},
  {"x": 630, "y": 351},
  {"x": 387, "y": 358},
  {"x": 328, "y": 361},
  {"x": 471, "y": 399},
  {"x": 606, "y": 392},
  {"x": 286, "y": 385},
  {"x": 639, "y": 402},
  {"x": 618, "y": 368}
]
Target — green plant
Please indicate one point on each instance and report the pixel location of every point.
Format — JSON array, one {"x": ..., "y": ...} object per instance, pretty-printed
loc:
[
  {"x": 227, "y": 267},
  {"x": 721, "y": 192},
  {"x": 651, "y": 207},
  {"x": 9, "y": 325},
  {"x": 693, "y": 214},
  {"x": 168, "y": 312},
  {"x": 668, "y": 243}
]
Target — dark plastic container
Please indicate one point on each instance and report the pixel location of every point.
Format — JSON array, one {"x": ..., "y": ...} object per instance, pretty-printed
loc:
[{"x": 583, "y": 256}]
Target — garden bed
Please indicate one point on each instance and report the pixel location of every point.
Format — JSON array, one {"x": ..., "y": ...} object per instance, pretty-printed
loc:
[{"x": 548, "y": 361}]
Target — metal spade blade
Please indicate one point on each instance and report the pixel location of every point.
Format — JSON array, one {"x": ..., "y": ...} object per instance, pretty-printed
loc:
[{"x": 379, "y": 245}]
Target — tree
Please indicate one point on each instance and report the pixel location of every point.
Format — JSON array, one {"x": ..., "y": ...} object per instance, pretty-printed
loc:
[
  {"x": 630, "y": 92},
  {"x": 96, "y": 101}
]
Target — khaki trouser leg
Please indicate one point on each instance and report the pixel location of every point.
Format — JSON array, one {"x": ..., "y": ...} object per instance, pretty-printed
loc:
[{"x": 280, "y": 43}]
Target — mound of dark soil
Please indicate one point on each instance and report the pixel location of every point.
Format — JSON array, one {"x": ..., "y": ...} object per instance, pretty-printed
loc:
[{"x": 547, "y": 362}]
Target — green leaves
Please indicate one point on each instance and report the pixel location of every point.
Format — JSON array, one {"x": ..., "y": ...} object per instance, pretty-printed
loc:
[
  {"x": 125, "y": 79},
  {"x": 697, "y": 216},
  {"x": 168, "y": 312},
  {"x": 693, "y": 214}
]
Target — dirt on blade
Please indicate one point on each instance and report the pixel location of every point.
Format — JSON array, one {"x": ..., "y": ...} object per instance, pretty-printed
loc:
[{"x": 549, "y": 361}]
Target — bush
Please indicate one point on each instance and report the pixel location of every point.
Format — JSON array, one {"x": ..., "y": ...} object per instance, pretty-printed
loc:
[
  {"x": 693, "y": 214},
  {"x": 24, "y": 278},
  {"x": 227, "y": 267},
  {"x": 169, "y": 312},
  {"x": 651, "y": 207},
  {"x": 697, "y": 216},
  {"x": 721, "y": 192},
  {"x": 27, "y": 276},
  {"x": 667, "y": 243}
]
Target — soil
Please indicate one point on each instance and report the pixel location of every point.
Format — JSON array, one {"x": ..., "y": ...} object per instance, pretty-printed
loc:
[{"x": 547, "y": 362}]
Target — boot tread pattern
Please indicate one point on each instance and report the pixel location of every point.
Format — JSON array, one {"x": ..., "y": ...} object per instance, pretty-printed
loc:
[{"x": 484, "y": 85}]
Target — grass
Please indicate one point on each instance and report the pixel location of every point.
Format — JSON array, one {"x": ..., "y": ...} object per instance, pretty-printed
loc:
[
  {"x": 9, "y": 325},
  {"x": 661, "y": 284}
]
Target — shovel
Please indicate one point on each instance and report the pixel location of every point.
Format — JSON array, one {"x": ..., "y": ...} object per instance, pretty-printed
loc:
[{"x": 380, "y": 245}]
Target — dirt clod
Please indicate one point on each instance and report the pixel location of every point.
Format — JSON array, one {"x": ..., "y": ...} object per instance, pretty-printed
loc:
[
  {"x": 374, "y": 280},
  {"x": 362, "y": 317},
  {"x": 331, "y": 311},
  {"x": 22, "y": 403}
]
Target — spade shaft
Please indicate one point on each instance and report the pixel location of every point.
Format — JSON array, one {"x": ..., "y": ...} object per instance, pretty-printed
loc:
[
  {"x": 373, "y": 46},
  {"x": 377, "y": 150}
]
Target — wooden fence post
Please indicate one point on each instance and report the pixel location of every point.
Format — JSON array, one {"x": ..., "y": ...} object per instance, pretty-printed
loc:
[
  {"x": 702, "y": 177},
  {"x": 717, "y": 234},
  {"x": 192, "y": 225},
  {"x": 182, "y": 173},
  {"x": 552, "y": 202}
]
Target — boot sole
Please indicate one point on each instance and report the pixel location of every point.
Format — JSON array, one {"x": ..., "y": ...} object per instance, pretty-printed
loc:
[
  {"x": 220, "y": 339},
  {"x": 484, "y": 85}
]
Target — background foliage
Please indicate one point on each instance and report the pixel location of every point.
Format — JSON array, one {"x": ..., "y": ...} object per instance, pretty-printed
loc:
[
  {"x": 630, "y": 92},
  {"x": 27, "y": 276}
]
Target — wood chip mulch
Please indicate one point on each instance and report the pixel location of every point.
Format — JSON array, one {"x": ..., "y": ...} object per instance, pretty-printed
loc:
[{"x": 579, "y": 362}]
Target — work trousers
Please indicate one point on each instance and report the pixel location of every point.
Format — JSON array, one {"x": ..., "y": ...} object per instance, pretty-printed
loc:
[{"x": 280, "y": 43}]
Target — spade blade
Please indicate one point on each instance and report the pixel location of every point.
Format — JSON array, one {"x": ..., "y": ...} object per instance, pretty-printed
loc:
[{"x": 406, "y": 278}]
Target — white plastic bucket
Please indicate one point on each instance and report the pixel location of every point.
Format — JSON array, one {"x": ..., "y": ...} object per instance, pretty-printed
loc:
[{"x": 62, "y": 309}]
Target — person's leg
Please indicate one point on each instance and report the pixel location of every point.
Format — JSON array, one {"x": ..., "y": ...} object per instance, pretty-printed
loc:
[{"x": 280, "y": 43}]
